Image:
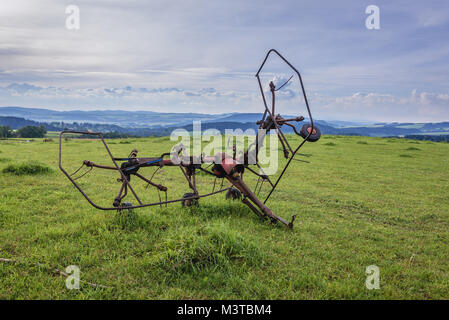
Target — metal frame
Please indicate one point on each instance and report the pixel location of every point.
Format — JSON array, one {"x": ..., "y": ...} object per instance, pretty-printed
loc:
[
  {"x": 124, "y": 183},
  {"x": 225, "y": 166},
  {"x": 273, "y": 118}
]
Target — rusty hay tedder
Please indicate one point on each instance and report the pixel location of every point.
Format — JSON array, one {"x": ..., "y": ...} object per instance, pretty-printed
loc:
[{"x": 224, "y": 166}]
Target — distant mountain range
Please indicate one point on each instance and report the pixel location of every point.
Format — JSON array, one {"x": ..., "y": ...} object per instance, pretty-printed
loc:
[
  {"x": 135, "y": 119},
  {"x": 148, "y": 123}
]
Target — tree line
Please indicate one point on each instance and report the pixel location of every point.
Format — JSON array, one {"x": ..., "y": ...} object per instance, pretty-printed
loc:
[
  {"x": 428, "y": 137},
  {"x": 24, "y": 132}
]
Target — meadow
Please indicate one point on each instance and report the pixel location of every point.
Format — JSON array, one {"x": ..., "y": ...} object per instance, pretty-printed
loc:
[{"x": 359, "y": 201}]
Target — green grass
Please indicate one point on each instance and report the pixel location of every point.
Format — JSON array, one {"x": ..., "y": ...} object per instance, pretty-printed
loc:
[
  {"x": 29, "y": 168},
  {"x": 357, "y": 204}
]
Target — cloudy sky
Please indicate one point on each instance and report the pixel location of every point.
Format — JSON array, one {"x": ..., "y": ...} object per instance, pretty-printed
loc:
[{"x": 201, "y": 56}]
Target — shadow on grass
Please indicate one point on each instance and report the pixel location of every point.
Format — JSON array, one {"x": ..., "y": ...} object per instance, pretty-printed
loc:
[{"x": 195, "y": 249}]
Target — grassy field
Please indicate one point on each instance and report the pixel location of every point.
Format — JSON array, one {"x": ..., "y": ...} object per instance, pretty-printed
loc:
[{"x": 359, "y": 202}]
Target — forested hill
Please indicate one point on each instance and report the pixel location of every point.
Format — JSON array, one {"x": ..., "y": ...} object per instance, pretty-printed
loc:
[
  {"x": 17, "y": 123},
  {"x": 148, "y": 123}
]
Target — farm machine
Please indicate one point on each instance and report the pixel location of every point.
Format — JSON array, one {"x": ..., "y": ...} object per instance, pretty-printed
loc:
[{"x": 225, "y": 166}]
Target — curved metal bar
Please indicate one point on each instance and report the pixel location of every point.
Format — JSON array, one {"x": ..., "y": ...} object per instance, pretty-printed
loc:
[
  {"x": 293, "y": 127},
  {"x": 100, "y": 136},
  {"x": 141, "y": 205},
  {"x": 300, "y": 80},
  {"x": 284, "y": 83},
  {"x": 276, "y": 125}
]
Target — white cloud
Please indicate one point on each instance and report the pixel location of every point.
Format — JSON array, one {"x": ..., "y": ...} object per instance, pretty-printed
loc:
[
  {"x": 417, "y": 106},
  {"x": 157, "y": 99},
  {"x": 192, "y": 45}
]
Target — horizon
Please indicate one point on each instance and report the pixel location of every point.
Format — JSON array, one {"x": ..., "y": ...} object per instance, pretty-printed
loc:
[
  {"x": 202, "y": 58},
  {"x": 359, "y": 122}
]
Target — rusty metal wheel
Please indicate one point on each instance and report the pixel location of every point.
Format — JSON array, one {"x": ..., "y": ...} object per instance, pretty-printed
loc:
[
  {"x": 189, "y": 202},
  {"x": 305, "y": 130},
  {"x": 124, "y": 206},
  {"x": 233, "y": 194}
]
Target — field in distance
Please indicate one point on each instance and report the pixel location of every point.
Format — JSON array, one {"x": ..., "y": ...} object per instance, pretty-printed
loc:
[{"x": 359, "y": 201}]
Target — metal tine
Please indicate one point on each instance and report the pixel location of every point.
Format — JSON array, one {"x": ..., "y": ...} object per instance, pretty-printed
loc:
[
  {"x": 304, "y": 155},
  {"x": 89, "y": 170},
  {"x": 257, "y": 184},
  {"x": 260, "y": 187},
  {"x": 77, "y": 170},
  {"x": 160, "y": 199},
  {"x": 151, "y": 178},
  {"x": 284, "y": 83},
  {"x": 301, "y": 160}
]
